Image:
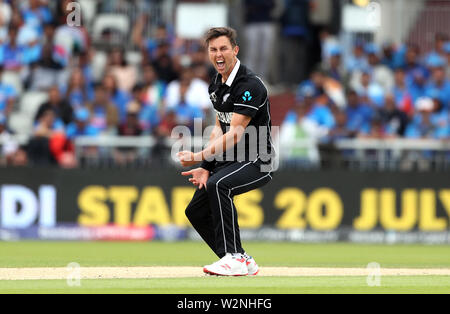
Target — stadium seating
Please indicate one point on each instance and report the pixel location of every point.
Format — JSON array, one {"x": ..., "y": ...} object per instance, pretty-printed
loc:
[
  {"x": 105, "y": 21},
  {"x": 31, "y": 101},
  {"x": 13, "y": 79}
]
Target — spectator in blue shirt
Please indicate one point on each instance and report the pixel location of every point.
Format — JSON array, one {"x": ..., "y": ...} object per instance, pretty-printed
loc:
[
  {"x": 186, "y": 112},
  {"x": 8, "y": 96},
  {"x": 359, "y": 114},
  {"x": 417, "y": 84},
  {"x": 104, "y": 114},
  {"x": 11, "y": 54},
  {"x": 357, "y": 61},
  {"x": 440, "y": 84},
  {"x": 76, "y": 93},
  {"x": 81, "y": 125},
  {"x": 412, "y": 62},
  {"x": 388, "y": 55},
  {"x": 321, "y": 112},
  {"x": 149, "y": 114},
  {"x": 36, "y": 15},
  {"x": 340, "y": 130},
  {"x": 401, "y": 92},
  {"x": 116, "y": 96},
  {"x": 48, "y": 124},
  {"x": 439, "y": 43},
  {"x": 423, "y": 126}
]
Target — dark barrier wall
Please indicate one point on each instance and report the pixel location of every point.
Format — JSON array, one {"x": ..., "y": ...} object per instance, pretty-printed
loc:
[{"x": 317, "y": 201}]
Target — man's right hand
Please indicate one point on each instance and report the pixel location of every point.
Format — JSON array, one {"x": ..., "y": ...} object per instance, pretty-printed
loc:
[{"x": 199, "y": 177}]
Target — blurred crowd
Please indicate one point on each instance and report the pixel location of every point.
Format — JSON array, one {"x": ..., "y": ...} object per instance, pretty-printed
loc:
[
  {"x": 151, "y": 80},
  {"x": 379, "y": 92},
  {"x": 168, "y": 86}
]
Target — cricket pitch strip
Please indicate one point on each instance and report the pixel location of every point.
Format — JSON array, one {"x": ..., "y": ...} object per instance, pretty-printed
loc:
[{"x": 187, "y": 272}]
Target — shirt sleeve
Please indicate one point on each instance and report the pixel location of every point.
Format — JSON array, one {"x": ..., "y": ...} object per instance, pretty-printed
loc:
[
  {"x": 208, "y": 165},
  {"x": 249, "y": 97}
]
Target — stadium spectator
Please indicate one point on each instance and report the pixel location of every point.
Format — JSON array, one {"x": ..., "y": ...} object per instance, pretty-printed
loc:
[
  {"x": 37, "y": 14},
  {"x": 333, "y": 68},
  {"x": 186, "y": 111},
  {"x": 422, "y": 125},
  {"x": 11, "y": 54},
  {"x": 125, "y": 74},
  {"x": 46, "y": 128},
  {"x": 85, "y": 65},
  {"x": 259, "y": 35},
  {"x": 116, "y": 96},
  {"x": 357, "y": 61},
  {"x": 417, "y": 84},
  {"x": 104, "y": 114},
  {"x": 149, "y": 114},
  {"x": 154, "y": 89},
  {"x": 60, "y": 106},
  {"x": 46, "y": 72},
  {"x": 164, "y": 64},
  {"x": 76, "y": 93},
  {"x": 301, "y": 128},
  {"x": 328, "y": 42},
  {"x": 359, "y": 114},
  {"x": 394, "y": 119},
  {"x": 294, "y": 34},
  {"x": 369, "y": 91},
  {"x": 447, "y": 53},
  {"x": 440, "y": 39},
  {"x": 440, "y": 85},
  {"x": 130, "y": 127},
  {"x": 196, "y": 93},
  {"x": 376, "y": 131},
  {"x": 9, "y": 145},
  {"x": 8, "y": 96},
  {"x": 81, "y": 125},
  {"x": 412, "y": 62},
  {"x": 340, "y": 130},
  {"x": 381, "y": 74},
  {"x": 401, "y": 92},
  {"x": 47, "y": 124},
  {"x": 168, "y": 122},
  {"x": 318, "y": 110},
  {"x": 388, "y": 55}
]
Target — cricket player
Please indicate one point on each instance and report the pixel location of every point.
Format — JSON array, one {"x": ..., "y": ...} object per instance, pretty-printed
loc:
[{"x": 234, "y": 162}]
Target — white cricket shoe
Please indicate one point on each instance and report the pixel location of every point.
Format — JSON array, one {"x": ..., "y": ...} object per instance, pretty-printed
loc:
[
  {"x": 252, "y": 267},
  {"x": 229, "y": 265}
]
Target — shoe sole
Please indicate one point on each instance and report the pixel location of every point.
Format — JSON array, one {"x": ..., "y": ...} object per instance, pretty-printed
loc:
[
  {"x": 257, "y": 272},
  {"x": 208, "y": 272}
]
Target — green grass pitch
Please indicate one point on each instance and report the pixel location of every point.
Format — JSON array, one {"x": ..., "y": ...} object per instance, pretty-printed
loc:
[{"x": 60, "y": 254}]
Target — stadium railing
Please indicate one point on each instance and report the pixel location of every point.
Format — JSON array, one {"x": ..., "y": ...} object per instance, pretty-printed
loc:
[{"x": 357, "y": 154}]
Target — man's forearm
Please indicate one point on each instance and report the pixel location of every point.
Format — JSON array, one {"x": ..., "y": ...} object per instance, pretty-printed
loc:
[{"x": 221, "y": 144}]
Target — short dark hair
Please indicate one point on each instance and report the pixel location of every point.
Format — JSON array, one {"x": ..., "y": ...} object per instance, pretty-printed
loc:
[{"x": 217, "y": 32}]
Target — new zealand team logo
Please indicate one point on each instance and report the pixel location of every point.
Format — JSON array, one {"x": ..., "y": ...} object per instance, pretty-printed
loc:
[
  {"x": 213, "y": 97},
  {"x": 247, "y": 96}
]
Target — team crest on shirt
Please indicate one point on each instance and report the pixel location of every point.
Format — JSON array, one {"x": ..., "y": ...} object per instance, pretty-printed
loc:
[
  {"x": 213, "y": 97},
  {"x": 224, "y": 117},
  {"x": 225, "y": 98}
]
